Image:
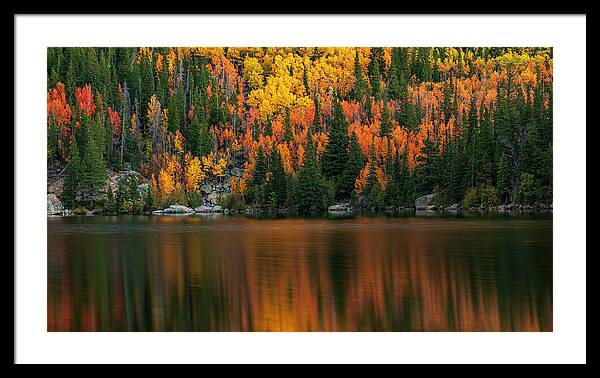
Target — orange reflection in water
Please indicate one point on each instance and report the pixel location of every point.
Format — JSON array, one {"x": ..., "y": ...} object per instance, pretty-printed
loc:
[{"x": 241, "y": 274}]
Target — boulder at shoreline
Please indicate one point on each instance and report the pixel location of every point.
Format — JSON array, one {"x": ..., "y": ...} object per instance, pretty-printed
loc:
[{"x": 423, "y": 202}]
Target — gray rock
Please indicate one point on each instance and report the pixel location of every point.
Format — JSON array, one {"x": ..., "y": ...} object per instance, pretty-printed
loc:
[
  {"x": 454, "y": 206},
  {"x": 54, "y": 206},
  {"x": 339, "y": 207},
  {"x": 178, "y": 209},
  {"x": 207, "y": 188},
  {"x": 502, "y": 208},
  {"x": 422, "y": 202},
  {"x": 217, "y": 209}
]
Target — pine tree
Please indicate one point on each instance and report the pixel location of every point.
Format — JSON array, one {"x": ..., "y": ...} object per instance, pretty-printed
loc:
[
  {"x": 71, "y": 182},
  {"x": 268, "y": 129},
  {"x": 359, "y": 85},
  {"x": 394, "y": 81},
  {"x": 376, "y": 81},
  {"x": 386, "y": 121},
  {"x": 335, "y": 155},
  {"x": 149, "y": 202},
  {"x": 353, "y": 167},
  {"x": 277, "y": 182},
  {"x": 133, "y": 194},
  {"x": 121, "y": 198},
  {"x": 255, "y": 129},
  {"x": 93, "y": 167},
  {"x": 146, "y": 82},
  {"x": 261, "y": 168},
  {"x": 110, "y": 204},
  {"x": 404, "y": 184},
  {"x": 310, "y": 187},
  {"x": 427, "y": 169},
  {"x": 200, "y": 141}
]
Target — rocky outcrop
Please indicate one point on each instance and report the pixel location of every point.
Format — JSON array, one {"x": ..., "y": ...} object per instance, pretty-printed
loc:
[
  {"x": 423, "y": 202},
  {"x": 453, "y": 207},
  {"x": 54, "y": 206},
  {"x": 339, "y": 207},
  {"x": 175, "y": 209}
]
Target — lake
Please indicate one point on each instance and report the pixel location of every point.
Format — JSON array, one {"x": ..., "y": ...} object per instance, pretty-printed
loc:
[{"x": 364, "y": 273}]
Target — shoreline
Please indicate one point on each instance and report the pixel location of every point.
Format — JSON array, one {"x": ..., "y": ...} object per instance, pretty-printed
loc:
[{"x": 325, "y": 214}]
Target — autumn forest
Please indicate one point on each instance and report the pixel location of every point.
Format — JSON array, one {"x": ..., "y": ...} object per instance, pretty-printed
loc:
[{"x": 133, "y": 130}]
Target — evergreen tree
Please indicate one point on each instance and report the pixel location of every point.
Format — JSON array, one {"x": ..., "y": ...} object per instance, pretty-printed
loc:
[
  {"x": 427, "y": 172},
  {"x": 176, "y": 111},
  {"x": 133, "y": 194},
  {"x": 255, "y": 129},
  {"x": 277, "y": 182},
  {"x": 149, "y": 202},
  {"x": 121, "y": 201},
  {"x": 93, "y": 167},
  {"x": 386, "y": 121},
  {"x": 146, "y": 82},
  {"x": 260, "y": 169},
  {"x": 376, "y": 81},
  {"x": 394, "y": 78},
  {"x": 71, "y": 182},
  {"x": 200, "y": 139},
  {"x": 335, "y": 155},
  {"x": 353, "y": 167},
  {"x": 268, "y": 129},
  {"x": 310, "y": 186},
  {"x": 360, "y": 86},
  {"x": 110, "y": 205}
]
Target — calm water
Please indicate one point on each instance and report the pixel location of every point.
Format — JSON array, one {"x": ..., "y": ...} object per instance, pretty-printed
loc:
[{"x": 220, "y": 273}]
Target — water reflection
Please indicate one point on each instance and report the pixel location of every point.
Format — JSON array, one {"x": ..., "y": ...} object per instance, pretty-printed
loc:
[{"x": 356, "y": 274}]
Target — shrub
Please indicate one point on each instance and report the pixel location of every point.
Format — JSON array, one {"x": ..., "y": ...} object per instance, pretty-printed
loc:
[
  {"x": 234, "y": 201},
  {"x": 489, "y": 196},
  {"x": 194, "y": 199},
  {"x": 80, "y": 210},
  {"x": 176, "y": 197},
  {"x": 472, "y": 198}
]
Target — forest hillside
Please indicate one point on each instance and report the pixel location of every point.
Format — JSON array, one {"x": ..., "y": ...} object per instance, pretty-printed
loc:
[{"x": 297, "y": 129}]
